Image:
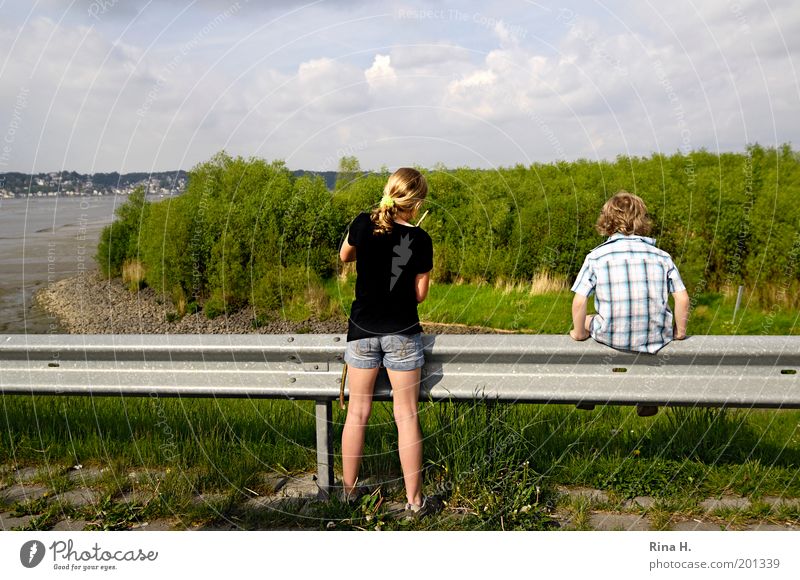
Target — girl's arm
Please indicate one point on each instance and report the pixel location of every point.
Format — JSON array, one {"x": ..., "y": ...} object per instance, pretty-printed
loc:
[
  {"x": 421, "y": 285},
  {"x": 348, "y": 252}
]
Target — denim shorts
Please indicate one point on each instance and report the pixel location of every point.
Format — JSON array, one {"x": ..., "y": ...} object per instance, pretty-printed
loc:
[{"x": 396, "y": 351}]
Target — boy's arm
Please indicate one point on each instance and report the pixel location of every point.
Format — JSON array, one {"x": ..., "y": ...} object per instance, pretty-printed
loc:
[
  {"x": 579, "y": 331},
  {"x": 681, "y": 313}
]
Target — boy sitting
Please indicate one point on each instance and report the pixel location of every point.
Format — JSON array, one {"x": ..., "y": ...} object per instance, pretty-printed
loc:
[{"x": 630, "y": 278}]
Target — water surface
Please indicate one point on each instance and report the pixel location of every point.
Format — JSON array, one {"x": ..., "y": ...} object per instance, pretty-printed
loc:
[{"x": 43, "y": 240}]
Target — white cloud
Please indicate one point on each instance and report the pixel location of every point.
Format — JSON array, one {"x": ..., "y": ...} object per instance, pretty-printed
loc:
[
  {"x": 328, "y": 86},
  {"x": 381, "y": 76}
]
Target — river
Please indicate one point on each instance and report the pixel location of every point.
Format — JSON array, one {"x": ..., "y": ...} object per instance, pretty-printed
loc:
[{"x": 43, "y": 240}]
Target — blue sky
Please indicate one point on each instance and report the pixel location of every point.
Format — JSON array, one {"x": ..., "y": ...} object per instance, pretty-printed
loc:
[{"x": 106, "y": 85}]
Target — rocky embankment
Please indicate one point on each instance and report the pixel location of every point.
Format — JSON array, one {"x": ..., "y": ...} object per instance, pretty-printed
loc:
[{"x": 88, "y": 304}]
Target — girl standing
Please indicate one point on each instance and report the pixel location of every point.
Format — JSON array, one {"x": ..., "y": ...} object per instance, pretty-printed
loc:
[{"x": 393, "y": 264}]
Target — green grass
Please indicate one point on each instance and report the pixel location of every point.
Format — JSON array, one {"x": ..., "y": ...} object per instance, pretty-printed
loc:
[
  {"x": 484, "y": 305},
  {"x": 231, "y": 439},
  {"x": 497, "y": 465}
]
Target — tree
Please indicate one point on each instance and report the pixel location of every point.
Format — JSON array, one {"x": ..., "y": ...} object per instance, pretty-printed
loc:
[{"x": 349, "y": 171}]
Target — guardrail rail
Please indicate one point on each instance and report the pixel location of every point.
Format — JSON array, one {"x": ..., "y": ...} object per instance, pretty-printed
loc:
[{"x": 712, "y": 371}]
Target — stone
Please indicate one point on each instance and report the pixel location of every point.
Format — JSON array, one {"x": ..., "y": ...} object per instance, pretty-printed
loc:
[
  {"x": 764, "y": 527},
  {"x": 781, "y": 501},
  {"x": 21, "y": 493},
  {"x": 227, "y": 527},
  {"x": 272, "y": 502},
  {"x": 9, "y": 522},
  {"x": 593, "y": 495},
  {"x": 727, "y": 502},
  {"x": 274, "y": 482},
  {"x": 85, "y": 476},
  {"x": 644, "y": 502},
  {"x": 696, "y": 526},
  {"x": 394, "y": 509},
  {"x": 25, "y": 474},
  {"x": 304, "y": 486},
  {"x": 79, "y": 497},
  {"x": 610, "y": 522},
  {"x": 154, "y": 526},
  {"x": 69, "y": 525}
]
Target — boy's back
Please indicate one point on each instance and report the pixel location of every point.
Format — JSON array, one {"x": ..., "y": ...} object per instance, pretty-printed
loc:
[{"x": 631, "y": 280}]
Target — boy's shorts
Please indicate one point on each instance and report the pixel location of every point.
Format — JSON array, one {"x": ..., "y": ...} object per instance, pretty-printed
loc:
[{"x": 396, "y": 351}]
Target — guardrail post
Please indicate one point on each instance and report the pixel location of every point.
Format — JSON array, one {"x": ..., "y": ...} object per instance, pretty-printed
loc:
[{"x": 324, "y": 415}]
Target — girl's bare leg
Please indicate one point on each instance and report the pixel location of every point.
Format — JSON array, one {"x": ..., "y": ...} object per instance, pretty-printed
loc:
[
  {"x": 361, "y": 383},
  {"x": 405, "y": 393}
]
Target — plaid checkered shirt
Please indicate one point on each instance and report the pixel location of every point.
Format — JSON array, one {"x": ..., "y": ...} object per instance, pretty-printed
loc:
[{"x": 631, "y": 280}]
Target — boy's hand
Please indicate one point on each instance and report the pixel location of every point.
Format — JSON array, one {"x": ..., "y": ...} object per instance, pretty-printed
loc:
[{"x": 576, "y": 335}]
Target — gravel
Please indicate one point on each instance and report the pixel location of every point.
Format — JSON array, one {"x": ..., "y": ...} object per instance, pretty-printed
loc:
[{"x": 88, "y": 304}]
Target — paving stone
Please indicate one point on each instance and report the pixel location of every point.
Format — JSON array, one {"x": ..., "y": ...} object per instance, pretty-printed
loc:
[
  {"x": 645, "y": 502},
  {"x": 79, "y": 497},
  {"x": 696, "y": 526},
  {"x": 765, "y": 527},
  {"x": 604, "y": 521},
  {"x": 9, "y": 522},
  {"x": 21, "y": 493},
  {"x": 594, "y": 495},
  {"x": 25, "y": 474},
  {"x": 154, "y": 526},
  {"x": 781, "y": 501},
  {"x": 394, "y": 509},
  {"x": 271, "y": 502},
  {"x": 70, "y": 525},
  {"x": 728, "y": 502},
  {"x": 304, "y": 486},
  {"x": 274, "y": 482},
  {"x": 226, "y": 527},
  {"x": 85, "y": 476}
]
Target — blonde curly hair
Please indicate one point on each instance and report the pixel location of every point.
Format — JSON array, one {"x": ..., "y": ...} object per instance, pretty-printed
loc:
[
  {"x": 404, "y": 192},
  {"x": 624, "y": 213}
]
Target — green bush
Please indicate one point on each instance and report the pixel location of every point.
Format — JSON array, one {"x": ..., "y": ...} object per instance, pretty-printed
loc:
[
  {"x": 246, "y": 226},
  {"x": 120, "y": 240},
  {"x": 296, "y": 293}
]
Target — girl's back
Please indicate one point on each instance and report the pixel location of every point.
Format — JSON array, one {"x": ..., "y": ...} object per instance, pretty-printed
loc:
[{"x": 387, "y": 267}]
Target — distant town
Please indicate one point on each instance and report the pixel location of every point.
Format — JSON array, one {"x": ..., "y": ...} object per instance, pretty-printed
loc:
[{"x": 70, "y": 183}]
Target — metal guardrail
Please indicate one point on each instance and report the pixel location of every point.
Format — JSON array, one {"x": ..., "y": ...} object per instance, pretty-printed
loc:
[{"x": 720, "y": 371}]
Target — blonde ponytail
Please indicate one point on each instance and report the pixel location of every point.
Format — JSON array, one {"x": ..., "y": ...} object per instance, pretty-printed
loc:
[{"x": 404, "y": 192}]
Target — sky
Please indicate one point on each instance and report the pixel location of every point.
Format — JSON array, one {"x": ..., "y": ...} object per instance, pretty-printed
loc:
[{"x": 115, "y": 85}]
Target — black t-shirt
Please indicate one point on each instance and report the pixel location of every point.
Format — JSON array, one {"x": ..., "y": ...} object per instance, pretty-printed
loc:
[{"x": 387, "y": 266}]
